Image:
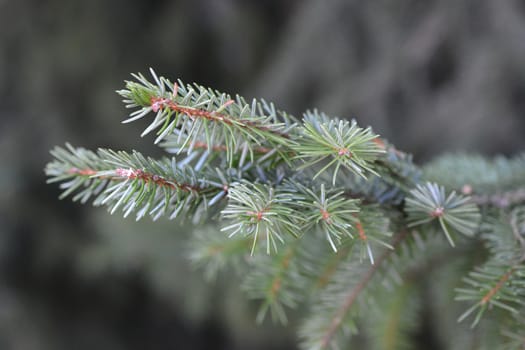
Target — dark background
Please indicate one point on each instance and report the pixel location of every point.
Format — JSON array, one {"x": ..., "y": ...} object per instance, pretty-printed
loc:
[{"x": 432, "y": 76}]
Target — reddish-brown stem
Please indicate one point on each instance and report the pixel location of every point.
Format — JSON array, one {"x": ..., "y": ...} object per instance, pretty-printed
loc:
[
  {"x": 487, "y": 297},
  {"x": 350, "y": 299},
  {"x": 160, "y": 103},
  {"x": 361, "y": 231},
  {"x": 121, "y": 173},
  {"x": 222, "y": 148}
]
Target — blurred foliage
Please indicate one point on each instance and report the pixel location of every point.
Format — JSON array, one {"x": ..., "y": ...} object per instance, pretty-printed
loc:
[{"x": 430, "y": 76}]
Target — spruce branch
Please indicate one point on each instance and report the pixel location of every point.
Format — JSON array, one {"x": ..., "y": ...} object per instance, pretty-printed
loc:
[
  {"x": 212, "y": 253},
  {"x": 192, "y": 111},
  {"x": 263, "y": 212},
  {"x": 278, "y": 281},
  {"x": 130, "y": 181},
  {"x": 320, "y": 333},
  {"x": 429, "y": 203},
  {"x": 502, "y": 236},
  {"x": 373, "y": 228},
  {"x": 482, "y": 173},
  {"x": 394, "y": 317},
  {"x": 340, "y": 142},
  {"x": 327, "y": 190},
  {"x": 499, "y": 282},
  {"x": 493, "y": 285},
  {"x": 330, "y": 212}
]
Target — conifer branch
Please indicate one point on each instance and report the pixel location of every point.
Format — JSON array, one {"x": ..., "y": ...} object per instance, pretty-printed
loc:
[
  {"x": 133, "y": 182},
  {"x": 339, "y": 142},
  {"x": 278, "y": 283},
  {"x": 396, "y": 315},
  {"x": 212, "y": 253},
  {"x": 223, "y": 148},
  {"x": 504, "y": 292},
  {"x": 194, "y": 111},
  {"x": 353, "y": 294},
  {"x": 327, "y": 190},
  {"x": 494, "y": 290},
  {"x": 262, "y": 212},
  {"x": 428, "y": 203},
  {"x": 159, "y": 103}
]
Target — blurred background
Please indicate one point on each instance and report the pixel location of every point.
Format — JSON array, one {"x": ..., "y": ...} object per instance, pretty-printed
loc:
[{"x": 431, "y": 76}]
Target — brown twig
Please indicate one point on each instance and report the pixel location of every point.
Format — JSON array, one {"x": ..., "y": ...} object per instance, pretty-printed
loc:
[
  {"x": 121, "y": 174},
  {"x": 494, "y": 290},
  {"x": 223, "y": 148},
  {"x": 160, "y": 103}
]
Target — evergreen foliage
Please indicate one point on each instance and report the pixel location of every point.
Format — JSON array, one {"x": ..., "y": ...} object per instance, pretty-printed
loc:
[{"x": 318, "y": 212}]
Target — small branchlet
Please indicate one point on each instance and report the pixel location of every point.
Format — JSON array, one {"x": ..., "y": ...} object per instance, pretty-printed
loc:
[
  {"x": 337, "y": 143},
  {"x": 428, "y": 203}
]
